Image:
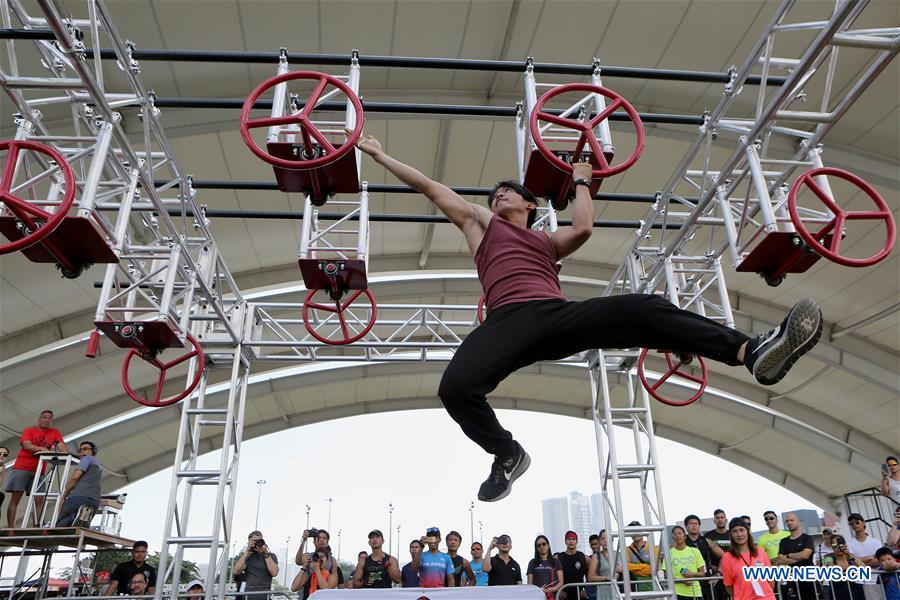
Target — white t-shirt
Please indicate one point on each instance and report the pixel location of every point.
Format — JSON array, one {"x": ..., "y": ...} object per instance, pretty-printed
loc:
[
  {"x": 866, "y": 548},
  {"x": 894, "y": 489}
]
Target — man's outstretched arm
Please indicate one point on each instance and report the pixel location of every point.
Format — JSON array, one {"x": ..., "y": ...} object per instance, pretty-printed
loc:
[
  {"x": 461, "y": 213},
  {"x": 567, "y": 240}
]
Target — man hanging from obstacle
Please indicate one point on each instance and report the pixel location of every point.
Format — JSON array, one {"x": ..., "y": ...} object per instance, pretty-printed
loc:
[{"x": 530, "y": 320}]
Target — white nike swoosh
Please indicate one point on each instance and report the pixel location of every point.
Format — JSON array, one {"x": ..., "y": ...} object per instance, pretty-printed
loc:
[{"x": 775, "y": 333}]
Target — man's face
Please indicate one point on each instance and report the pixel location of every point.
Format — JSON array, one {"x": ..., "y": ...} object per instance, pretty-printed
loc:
[
  {"x": 375, "y": 542},
  {"x": 4, "y": 454},
  {"x": 771, "y": 520},
  {"x": 792, "y": 522},
  {"x": 506, "y": 198},
  {"x": 477, "y": 552},
  {"x": 693, "y": 526},
  {"x": 45, "y": 420},
  {"x": 415, "y": 548},
  {"x": 678, "y": 535},
  {"x": 888, "y": 562},
  {"x": 595, "y": 545},
  {"x": 433, "y": 543},
  {"x": 504, "y": 544},
  {"x": 748, "y": 523},
  {"x": 322, "y": 541},
  {"x": 571, "y": 543},
  {"x": 720, "y": 519},
  {"x": 85, "y": 450},
  {"x": 195, "y": 592},
  {"x": 138, "y": 585},
  {"x": 857, "y": 525},
  {"x": 139, "y": 554},
  {"x": 637, "y": 539},
  {"x": 893, "y": 466},
  {"x": 826, "y": 538},
  {"x": 453, "y": 543}
]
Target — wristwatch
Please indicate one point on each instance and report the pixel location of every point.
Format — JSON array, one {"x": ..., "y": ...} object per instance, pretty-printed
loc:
[{"x": 585, "y": 182}]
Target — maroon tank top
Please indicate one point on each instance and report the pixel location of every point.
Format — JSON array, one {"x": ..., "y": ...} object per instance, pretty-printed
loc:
[{"x": 516, "y": 264}]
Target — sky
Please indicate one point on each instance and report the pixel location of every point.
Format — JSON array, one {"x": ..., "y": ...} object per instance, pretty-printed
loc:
[{"x": 420, "y": 462}]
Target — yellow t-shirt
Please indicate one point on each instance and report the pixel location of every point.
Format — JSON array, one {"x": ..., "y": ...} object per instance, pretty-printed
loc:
[
  {"x": 690, "y": 559},
  {"x": 770, "y": 541}
]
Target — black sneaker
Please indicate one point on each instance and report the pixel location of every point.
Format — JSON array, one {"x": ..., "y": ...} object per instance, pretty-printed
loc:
[
  {"x": 504, "y": 471},
  {"x": 771, "y": 355}
]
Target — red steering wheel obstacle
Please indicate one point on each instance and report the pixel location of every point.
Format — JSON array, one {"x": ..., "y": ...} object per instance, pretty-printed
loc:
[
  {"x": 675, "y": 364},
  {"x": 586, "y": 130},
  {"x": 318, "y": 150},
  {"x": 818, "y": 240},
  {"x": 38, "y": 223},
  {"x": 347, "y": 333},
  {"x": 157, "y": 400}
]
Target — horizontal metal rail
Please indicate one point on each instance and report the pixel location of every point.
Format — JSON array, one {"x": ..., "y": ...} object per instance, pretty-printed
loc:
[
  {"x": 508, "y": 66},
  {"x": 417, "y": 109},
  {"x": 225, "y": 184}
]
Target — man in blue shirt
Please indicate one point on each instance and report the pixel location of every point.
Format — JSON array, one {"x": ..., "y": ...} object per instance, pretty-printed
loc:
[
  {"x": 409, "y": 577},
  {"x": 83, "y": 487},
  {"x": 477, "y": 564},
  {"x": 435, "y": 568}
]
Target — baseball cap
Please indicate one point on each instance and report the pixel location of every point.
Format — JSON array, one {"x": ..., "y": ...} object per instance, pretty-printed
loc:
[
  {"x": 194, "y": 583},
  {"x": 634, "y": 524},
  {"x": 433, "y": 532},
  {"x": 571, "y": 534},
  {"x": 376, "y": 533},
  {"x": 855, "y": 517},
  {"x": 827, "y": 530},
  {"x": 735, "y": 522}
]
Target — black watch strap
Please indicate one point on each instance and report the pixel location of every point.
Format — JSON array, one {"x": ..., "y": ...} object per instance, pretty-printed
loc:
[{"x": 584, "y": 182}]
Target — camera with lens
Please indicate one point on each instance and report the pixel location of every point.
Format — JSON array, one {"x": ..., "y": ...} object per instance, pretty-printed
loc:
[
  {"x": 313, "y": 533},
  {"x": 315, "y": 556},
  {"x": 260, "y": 543}
]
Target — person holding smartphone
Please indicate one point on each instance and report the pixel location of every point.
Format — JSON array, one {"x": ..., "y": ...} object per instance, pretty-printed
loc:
[
  {"x": 544, "y": 570},
  {"x": 890, "y": 479}
]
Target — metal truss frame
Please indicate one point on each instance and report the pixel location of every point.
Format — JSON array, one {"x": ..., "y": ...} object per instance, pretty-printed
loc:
[{"x": 169, "y": 271}]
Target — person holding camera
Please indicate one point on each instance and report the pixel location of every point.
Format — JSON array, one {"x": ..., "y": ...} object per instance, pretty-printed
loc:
[
  {"x": 890, "y": 479},
  {"x": 316, "y": 574},
  {"x": 503, "y": 568},
  {"x": 321, "y": 539},
  {"x": 842, "y": 557},
  {"x": 257, "y": 563}
]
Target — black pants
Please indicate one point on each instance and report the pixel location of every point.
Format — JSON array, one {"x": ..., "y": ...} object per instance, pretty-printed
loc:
[{"x": 517, "y": 335}]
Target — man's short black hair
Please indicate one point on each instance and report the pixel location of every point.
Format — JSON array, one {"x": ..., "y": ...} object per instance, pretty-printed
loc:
[
  {"x": 717, "y": 511},
  {"x": 456, "y": 533},
  {"x": 770, "y": 512},
  {"x": 891, "y": 458},
  {"x": 92, "y": 445},
  {"x": 141, "y": 573},
  {"x": 419, "y": 542},
  {"x": 327, "y": 535},
  {"x": 522, "y": 191},
  {"x": 594, "y": 538},
  {"x": 882, "y": 551},
  {"x": 139, "y": 544},
  {"x": 691, "y": 518}
]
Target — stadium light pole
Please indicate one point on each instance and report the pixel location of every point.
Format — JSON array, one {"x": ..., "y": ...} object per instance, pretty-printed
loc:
[
  {"x": 471, "y": 521},
  {"x": 390, "y": 527},
  {"x": 260, "y": 483}
]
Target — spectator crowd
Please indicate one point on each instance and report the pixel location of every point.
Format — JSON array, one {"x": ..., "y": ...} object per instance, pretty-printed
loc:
[{"x": 704, "y": 565}]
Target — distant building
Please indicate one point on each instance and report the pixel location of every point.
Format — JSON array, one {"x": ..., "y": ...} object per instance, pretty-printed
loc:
[
  {"x": 580, "y": 519},
  {"x": 556, "y": 520}
]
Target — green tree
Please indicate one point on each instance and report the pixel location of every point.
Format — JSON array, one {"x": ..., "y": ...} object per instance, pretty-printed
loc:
[{"x": 189, "y": 569}]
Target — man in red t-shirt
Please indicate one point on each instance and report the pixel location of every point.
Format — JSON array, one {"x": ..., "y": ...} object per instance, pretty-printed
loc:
[{"x": 34, "y": 439}]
